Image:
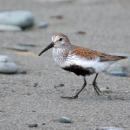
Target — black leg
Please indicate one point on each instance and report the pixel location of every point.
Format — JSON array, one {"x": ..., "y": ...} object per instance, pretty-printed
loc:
[
  {"x": 95, "y": 85},
  {"x": 76, "y": 96}
]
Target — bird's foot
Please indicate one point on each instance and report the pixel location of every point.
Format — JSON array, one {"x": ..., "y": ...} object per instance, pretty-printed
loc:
[{"x": 98, "y": 91}]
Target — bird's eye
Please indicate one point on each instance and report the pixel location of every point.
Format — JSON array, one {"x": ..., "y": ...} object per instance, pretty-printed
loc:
[{"x": 60, "y": 39}]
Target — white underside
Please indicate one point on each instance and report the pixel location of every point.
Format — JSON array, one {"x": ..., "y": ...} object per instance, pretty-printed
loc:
[{"x": 81, "y": 61}]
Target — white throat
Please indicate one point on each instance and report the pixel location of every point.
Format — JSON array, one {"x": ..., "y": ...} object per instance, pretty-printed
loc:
[{"x": 59, "y": 55}]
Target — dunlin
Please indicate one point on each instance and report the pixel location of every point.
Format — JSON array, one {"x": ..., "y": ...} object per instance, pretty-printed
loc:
[{"x": 81, "y": 61}]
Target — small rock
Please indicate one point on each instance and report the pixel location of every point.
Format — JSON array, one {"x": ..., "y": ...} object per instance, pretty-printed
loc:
[
  {"x": 64, "y": 119},
  {"x": 35, "y": 85},
  {"x": 43, "y": 25},
  {"x": 17, "y": 48},
  {"x": 81, "y": 32},
  {"x": 1, "y": 111},
  {"x": 27, "y": 44},
  {"x": 28, "y": 93},
  {"x": 61, "y": 85},
  {"x": 7, "y": 65},
  {"x": 32, "y": 125},
  {"x": 109, "y": 128},
  {"x": 20, "y": 18},
  {"x": 22, "y": 72},
  {"x": 119, "y": 68},
  {"x": 43, "y": 123},
  {"x": 57, "y": 16},
  {"x": 10, "y": 28},
  {"x": 105, "y": 90},
  {"x": 117, "y": 73}
]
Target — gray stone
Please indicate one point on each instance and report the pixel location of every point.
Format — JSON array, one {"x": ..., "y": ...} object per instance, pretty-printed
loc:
[
  {"x": 22, "y": 72},
  {"x": 7, "y": 65},
  {"x": 21, "y": 18},
  {"x": 16, "y": 47},
  {"x": 109, "y": 128},
  {"x": 32, "y": 125},
  {"x": 119, "y": 68},
  {"x": 60, "y": 85},
  {"x": 9, "y": 28},
  {"x": 105, "y": 90},
  {"x": 64, "y": 119},
  {"x": 35, "y": 85},
  {"x": 81, "y": 32},
  {"x": 43, "y": 25}
]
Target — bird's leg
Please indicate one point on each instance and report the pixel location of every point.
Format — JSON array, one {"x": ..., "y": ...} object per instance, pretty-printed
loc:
[
  {"x": 76, "y": 96},
  {"x": 95, "y": 85}
]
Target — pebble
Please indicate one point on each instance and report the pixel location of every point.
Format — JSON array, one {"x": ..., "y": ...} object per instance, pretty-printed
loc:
[
  {"x": 22, "y": 72},
  {"x": 19, "y": 18},
  {"x": 109, "y": 128},
  {"x": 35, "y": 85},
  {"x": 57, "y": 16},
  {"x": 119, "y": 68},
  {"x": 81, "y": 32},
  {"x": 16, "y": 47},
  {"x": 43, "y": 123},
  {"x": 26, "y": 44},
  {"x": 64, "y": 119},
  {"x": 7, "y": 65},
  {"x": 60, "y": 85},
  {"x": 10, "y": 28},
  {"x": 32, "y": 125},
  {"x": 43, "y": 25},
  {"x": 105, "y": 90}
]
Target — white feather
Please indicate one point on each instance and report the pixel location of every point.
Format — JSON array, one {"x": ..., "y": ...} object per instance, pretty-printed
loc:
[
  {"x": 87, "y": 63},
  {"x": 80, "y": 61}
]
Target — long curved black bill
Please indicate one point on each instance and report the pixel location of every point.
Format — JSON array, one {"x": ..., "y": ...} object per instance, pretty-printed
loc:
[{"x": 47, "y": 48}]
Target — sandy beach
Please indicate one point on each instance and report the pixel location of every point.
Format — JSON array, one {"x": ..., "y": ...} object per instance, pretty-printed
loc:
[{"x": 34, "y": 97}]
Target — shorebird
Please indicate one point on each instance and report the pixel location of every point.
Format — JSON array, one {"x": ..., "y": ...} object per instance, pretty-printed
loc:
[{"x": 79, "y": 60}]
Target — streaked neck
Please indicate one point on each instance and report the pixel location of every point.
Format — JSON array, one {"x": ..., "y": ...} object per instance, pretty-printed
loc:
[{"x": 60, "y": 55}]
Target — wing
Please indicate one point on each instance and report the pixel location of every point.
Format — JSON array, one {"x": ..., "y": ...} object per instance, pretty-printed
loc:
[{"x": 91, "y": 54}]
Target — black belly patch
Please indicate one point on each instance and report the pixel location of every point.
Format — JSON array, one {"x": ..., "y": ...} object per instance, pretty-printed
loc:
[{"x": 78, "y": 70}]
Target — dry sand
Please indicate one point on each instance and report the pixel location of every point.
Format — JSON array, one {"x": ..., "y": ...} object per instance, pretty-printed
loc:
[{"x": 107, "y": 27}]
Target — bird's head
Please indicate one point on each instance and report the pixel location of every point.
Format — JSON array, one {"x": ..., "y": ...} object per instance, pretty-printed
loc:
[{"x": 58, "y": 41}]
